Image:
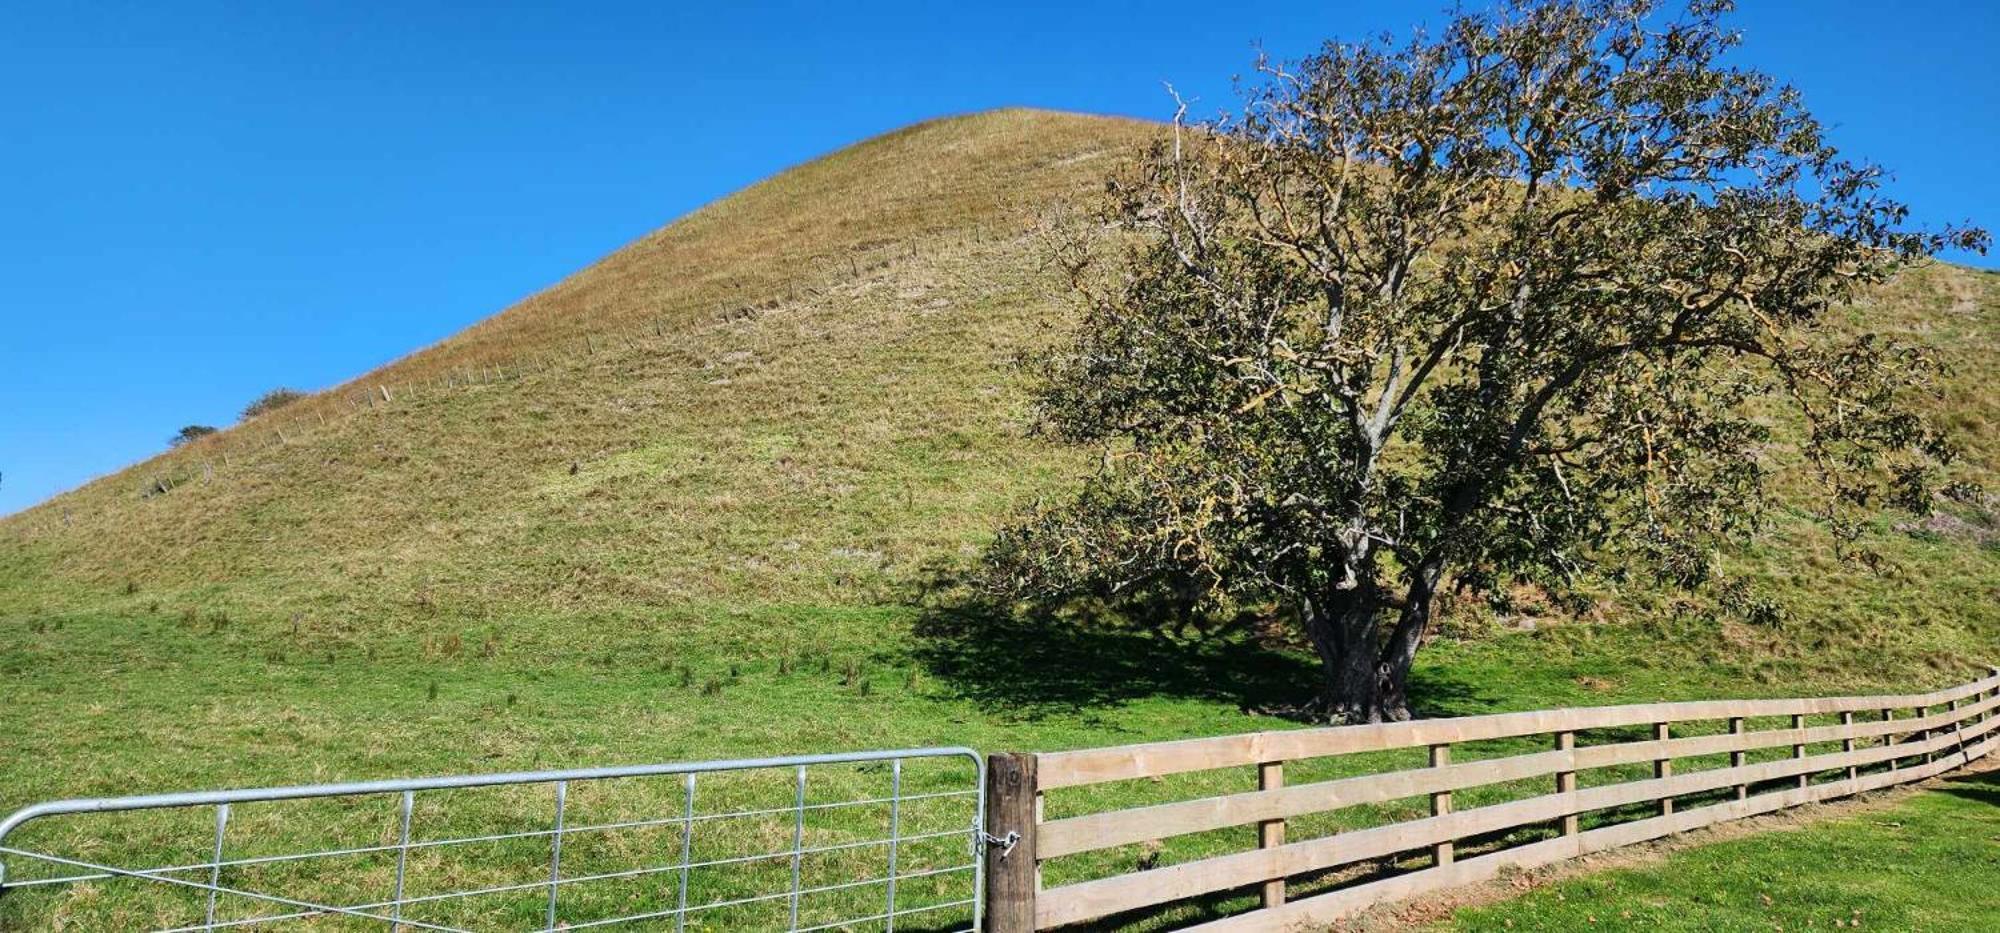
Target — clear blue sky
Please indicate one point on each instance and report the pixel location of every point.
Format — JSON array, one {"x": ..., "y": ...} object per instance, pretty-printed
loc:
[{"x": 199, "y": 201}]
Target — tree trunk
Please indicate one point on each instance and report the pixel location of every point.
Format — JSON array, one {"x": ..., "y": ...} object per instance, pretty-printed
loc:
[
  {"x": 1401, "y": 650},
  {"x": 1343, "y": 631}
]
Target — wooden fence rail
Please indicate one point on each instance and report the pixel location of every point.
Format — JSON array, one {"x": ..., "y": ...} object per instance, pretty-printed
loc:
[{"x": 1941, "y": 731}]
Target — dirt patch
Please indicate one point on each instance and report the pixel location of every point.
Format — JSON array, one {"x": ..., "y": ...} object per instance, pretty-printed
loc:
[{"x": 1981, "y": 529}]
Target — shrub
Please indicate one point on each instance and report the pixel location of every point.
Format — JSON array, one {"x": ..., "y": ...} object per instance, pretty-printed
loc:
[
  {"x": 272, "y": 401},
  {"x": 190, "y": 433}
]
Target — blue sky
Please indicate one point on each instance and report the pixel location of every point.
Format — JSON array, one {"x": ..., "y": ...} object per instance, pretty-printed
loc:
[{"x": 199, "y": 201}]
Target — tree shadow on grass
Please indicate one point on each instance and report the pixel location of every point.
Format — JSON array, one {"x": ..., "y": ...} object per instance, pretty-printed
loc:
[
  {"x": 1981, "y": 786},
  {"x": 1037, "y": 666},
  {"x": 1437, "y": 693}
]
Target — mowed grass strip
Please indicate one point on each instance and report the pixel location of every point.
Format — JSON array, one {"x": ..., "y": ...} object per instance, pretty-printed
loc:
[{"x": 1930, "y": 862}]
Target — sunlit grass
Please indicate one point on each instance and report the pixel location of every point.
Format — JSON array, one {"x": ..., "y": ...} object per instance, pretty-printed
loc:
[{"x": 1924, "y": 864}]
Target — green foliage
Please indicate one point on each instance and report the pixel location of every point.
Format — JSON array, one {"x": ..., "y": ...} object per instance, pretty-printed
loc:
[
  {"x": 271, "y": 401},
  {"x": 1505, "y": 303},
  {"x": 192, "y": 432}
]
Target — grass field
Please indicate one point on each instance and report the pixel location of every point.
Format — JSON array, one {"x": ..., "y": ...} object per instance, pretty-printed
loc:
[
  {"x": 1926, "y": 863},
  {"x": 116, "y": 705},
  {"x": 686, "y": 503}
]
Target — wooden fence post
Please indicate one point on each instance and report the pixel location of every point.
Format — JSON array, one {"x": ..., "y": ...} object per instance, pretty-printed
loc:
[
  {"x": 1566, "y": 780},
  {"x": 1663, "y": 767},
  {"x": 1957, "y": 731},
  {"x": 1847, "y": 744},
  {"x": 1990, "y": 694},
  {"x": 1737, "y": 758},
  {"x": 1441, "y": 803},
  {"x": 1271, "y": 833},
  {"x": 1012, "y": 802},
  {"x": 1922, "y": 735},
  {"x": 1799, "y": 749},
  {"x": 1889, "y": 738}
]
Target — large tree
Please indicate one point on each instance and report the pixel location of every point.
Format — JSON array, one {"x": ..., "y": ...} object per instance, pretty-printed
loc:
[{"x": 1500, "y": 303}]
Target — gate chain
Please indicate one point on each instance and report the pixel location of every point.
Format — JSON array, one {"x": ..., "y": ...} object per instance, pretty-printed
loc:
[{"x": 1006, "y": 843}]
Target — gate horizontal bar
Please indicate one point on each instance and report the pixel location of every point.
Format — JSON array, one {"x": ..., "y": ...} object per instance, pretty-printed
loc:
[{"x": 359, "y": 788}]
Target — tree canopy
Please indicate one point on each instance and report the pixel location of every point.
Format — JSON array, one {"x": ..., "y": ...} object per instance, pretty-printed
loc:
[{"x": 1501, "y": 303}]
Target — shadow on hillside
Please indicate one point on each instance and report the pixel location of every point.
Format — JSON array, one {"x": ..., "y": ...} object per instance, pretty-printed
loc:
[
  {"x": 1982, "y": 786},
  {"x": 1037, "y": 666}
]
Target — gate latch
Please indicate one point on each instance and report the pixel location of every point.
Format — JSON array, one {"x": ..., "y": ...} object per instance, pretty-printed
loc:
[{"x": 1006, "y": 843}]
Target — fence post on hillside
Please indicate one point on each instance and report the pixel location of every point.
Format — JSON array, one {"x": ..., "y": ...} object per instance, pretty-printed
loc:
[
  {"x": 1799, "y": 748},
  {"x": 1013, "y": 802},
  {"x": 1441, "y": 803},
  {"x": 1663, "y": 768},
  {"x": 1738, "y": 757},
  {"x": 1566, "y": 780},
  {"x": 1271, "y": 833}
]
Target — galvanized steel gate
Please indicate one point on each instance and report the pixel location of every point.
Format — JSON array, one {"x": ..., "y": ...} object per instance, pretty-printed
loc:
[{"x": 870, "y": 840}]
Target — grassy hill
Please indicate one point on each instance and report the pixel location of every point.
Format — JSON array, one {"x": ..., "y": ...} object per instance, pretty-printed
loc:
[
  {"x": 779, "y": 396},
  {"x": 794, "y": 397},
  {"x": 679, "y": 504}
]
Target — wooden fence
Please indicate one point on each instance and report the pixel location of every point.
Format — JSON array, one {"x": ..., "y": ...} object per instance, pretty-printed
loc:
[{"x": 1869, "y": 743}]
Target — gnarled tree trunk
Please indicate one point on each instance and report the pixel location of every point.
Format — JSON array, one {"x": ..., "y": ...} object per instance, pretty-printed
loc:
[
  {"x": 1400, "y": 652},
  {"x": 1367, "y": 675},
  {"x": 1344, "y": 629}
]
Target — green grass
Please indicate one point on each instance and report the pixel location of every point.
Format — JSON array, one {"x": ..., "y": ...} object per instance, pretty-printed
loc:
[
  {"x": 100, "y": 705},
  {"x": 1927, "y": 863},
  {"x": 743, "y": 443}
]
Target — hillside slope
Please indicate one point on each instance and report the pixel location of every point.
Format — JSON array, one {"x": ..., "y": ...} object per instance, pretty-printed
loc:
[
  {"x": 784, "y": 393},
  {"x": 796, "y": 397}
]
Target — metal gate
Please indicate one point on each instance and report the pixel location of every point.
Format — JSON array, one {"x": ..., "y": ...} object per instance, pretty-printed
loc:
[{"x": 881, "y": 840}]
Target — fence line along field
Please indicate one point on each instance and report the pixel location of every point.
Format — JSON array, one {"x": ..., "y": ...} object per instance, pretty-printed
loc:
[
  {"x": 1498, "y": 792},
  {"x": 899, "y": 838}
]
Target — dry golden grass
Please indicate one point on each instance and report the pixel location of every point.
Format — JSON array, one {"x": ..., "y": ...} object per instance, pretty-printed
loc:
[{"x": 782, "y": 393}]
